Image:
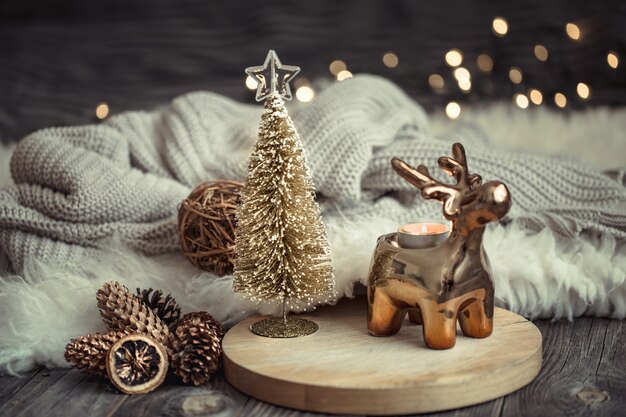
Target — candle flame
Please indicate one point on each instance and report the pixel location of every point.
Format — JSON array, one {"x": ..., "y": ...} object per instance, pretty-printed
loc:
[{"x": 424, "y": 229}]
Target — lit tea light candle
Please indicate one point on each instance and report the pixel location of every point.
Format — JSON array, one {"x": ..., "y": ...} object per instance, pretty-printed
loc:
[{"x": 422, "y": 235}]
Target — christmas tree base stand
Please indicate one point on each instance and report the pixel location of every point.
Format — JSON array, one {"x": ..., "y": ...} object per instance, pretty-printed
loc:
[
  {"x": 342, "y": 369},
  {"x": 276, "y": 327}
]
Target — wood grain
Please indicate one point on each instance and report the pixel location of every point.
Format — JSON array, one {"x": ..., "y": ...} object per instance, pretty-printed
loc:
[
  {"x": 49, "y": 387},
  {"x": 342, "y": 369},
  {"x": 584, "y": 372},
  {"x": 10, "y": 386},
  {"x": 586, "y": 356},
  {"x": 172, "y": 399}
]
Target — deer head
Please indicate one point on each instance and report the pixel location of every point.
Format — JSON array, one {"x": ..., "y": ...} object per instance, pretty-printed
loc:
[{"x": 469, "y": 203}]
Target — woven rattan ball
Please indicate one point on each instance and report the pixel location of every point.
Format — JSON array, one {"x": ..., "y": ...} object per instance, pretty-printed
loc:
[{"x": 206, "y": 223}]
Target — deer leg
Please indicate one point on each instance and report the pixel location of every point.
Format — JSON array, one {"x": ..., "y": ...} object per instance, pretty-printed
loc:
[
  {"x": 415, "y": 316},
  {"x": 384, "y": 318},
  {"x": 440, "y": 325},
  {"x": 473, "y": 320}
]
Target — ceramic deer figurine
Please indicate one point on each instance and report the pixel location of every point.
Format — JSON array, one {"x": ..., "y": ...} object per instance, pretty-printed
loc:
[{"x": 448, "y": 282}]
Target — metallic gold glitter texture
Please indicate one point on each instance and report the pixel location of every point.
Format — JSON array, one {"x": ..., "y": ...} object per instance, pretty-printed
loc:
[
  {"x": 278, "y": 327},
  {"x": 282, "y": 252}
]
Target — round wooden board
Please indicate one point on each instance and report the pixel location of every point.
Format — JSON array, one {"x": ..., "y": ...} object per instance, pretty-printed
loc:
[{"x": 342, "y": 369}]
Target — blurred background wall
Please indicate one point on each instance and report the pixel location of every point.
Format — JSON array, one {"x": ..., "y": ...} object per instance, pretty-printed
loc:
[{"x": 59, "y": 59}]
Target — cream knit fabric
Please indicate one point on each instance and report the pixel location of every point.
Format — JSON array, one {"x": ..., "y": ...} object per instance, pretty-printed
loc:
[{"x": 77, "y": 189}]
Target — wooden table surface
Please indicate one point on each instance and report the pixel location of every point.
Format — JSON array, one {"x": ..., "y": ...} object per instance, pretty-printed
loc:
[{"x": 584, "y": 374}]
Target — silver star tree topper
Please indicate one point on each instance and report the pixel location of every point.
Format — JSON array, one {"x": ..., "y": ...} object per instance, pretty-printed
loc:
[{"x": 273, "y": 77}]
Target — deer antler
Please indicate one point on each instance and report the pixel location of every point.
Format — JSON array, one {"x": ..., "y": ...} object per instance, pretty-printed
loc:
[
  {"x": 434, "y": 189},
  {"x": 421, "y": 178},
  {"x": 457, "y": 167},
  {"x": 412, "y": 175}
]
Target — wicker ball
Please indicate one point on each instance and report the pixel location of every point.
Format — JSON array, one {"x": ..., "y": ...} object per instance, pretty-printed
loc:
[{"x": 206, "y": 223}]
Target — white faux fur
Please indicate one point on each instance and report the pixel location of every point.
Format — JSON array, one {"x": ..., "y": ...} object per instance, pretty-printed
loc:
[
  {"x": 596, "y": 135},
  {"x": 535, "y": 274}
]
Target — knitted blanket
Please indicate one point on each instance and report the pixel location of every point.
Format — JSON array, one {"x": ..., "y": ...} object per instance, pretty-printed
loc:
[
  {"x": 76, "y": 187},
  {"x": 78, "y": 191}
]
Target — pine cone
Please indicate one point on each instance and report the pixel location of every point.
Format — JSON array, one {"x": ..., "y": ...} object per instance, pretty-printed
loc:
[
  {"x": 164, "y": 307},
  {"x": 89, "y": 352},
  {"x": 203, "y": 316},
  {"x": 198, "y": 352},
  {"x": 122, "y": 310}
]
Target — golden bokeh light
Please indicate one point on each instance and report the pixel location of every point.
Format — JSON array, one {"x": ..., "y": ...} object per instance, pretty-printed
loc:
[
  {"x": 465, "y": 85},
  {"x": 251, "y": 83},
  {"x": 436, "y": 82},
  {"x": 560, "y": 100},
  {"x": 454, "y": 57},
  {"x": 541, "y": 53},
  {"x": 453, "y": 110},
  {"x": 583, "y": 91},
  {"x": 344, "y": 75},
  {"x": 484, "y": 62},
  {"x": 102, "y": 111},
  {"x": 515, "y": 74},
  {"x": 612, "y": 59},
  {"x": 573, "y": 31},
  {"x": 390, "y": 60},
  {"x": 305, "y": 94},
  {"x": 521, "y": 100},
  {"x": 500, "y": 26},
  {"x": 337, "y": 66},
  {"x": 535, "y": 96},
  {"x": 461, "y": 74}
]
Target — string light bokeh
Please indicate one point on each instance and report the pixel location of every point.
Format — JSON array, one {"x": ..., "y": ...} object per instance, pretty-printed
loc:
[
  {"x": 541, "y": 53},
  {"x": 147, "y": 55},
  {"x": 390, "y": 60},
  {"x": 102, "y": 111},
  {"x": 454, "y": 57},
  {"x": 462, "y": 78},
  {"x": 573, "y": 31},
  {"x": 500, "y": 26},
  {"x": 536, "y": 97}
]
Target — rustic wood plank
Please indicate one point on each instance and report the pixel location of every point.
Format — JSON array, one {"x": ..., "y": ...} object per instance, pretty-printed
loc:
[
  {"x": 29, "y": 391},
  {"x": 10, "y": 385},
  {"x": 610, "y": 374},
  {"x": 62, "y": 392},
  {"x": 583, "y": 372},
  {"x": 93, "y": 396},
  {"x": 172, "y": 399},
  {"x": 42, "y": 392}
]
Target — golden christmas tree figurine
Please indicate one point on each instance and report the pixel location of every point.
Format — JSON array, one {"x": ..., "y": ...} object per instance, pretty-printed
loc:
[{"x": 282, "y": 252}]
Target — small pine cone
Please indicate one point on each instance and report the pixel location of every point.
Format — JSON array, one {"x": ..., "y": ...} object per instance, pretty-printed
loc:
[
  {"x": 203, "y": 316},
  {"x": 122, "y": 310},
  {"x": 197, "y": 352},
  {"x": 163, "y": 306},
  {"x": 89, "y": 352}
]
